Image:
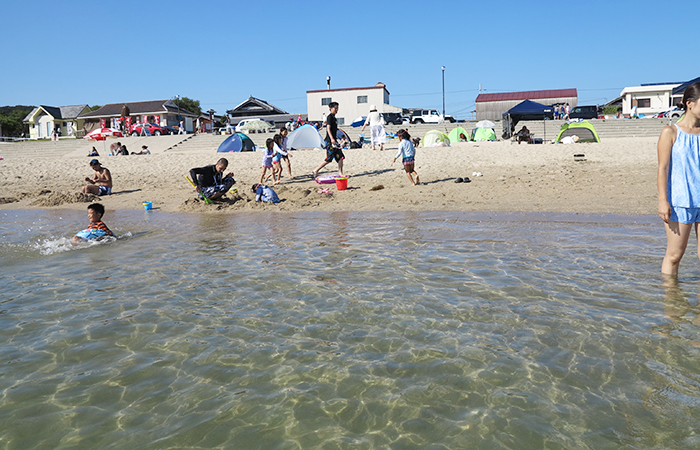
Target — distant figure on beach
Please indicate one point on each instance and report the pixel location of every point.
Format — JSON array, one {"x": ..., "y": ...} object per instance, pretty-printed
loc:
[
  {"x": 97, "y": 228},
  {"x": 210, "y": 180},
  {"x": 101, "y": 183},
  {"x": 678, "y": 180},
  {"x": 407, "y": 152},
  {"x": 524, "y": 135},
  {"x": 93, "y": 152},
  {"x": 567, "y": 110},
  {"x": 376, "y": 128},
  {"x": 181, "y": 127},
  {"x": 283, "y": 145},
  {"x": 265, "y": 194},
  {"x": 268, "y": 154},
  {"x": 144, "y": 151},
  {"x": 198, "y": 126},
  {"x": 333, "y": 150}
]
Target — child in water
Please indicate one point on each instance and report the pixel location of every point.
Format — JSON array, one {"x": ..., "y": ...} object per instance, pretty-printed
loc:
[
  {"x": 408, "y": 152},
  {"x": 97, "y": 228}
]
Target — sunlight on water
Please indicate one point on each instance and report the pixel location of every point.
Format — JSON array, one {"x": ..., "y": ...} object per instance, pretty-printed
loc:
[{"x": 346, "y": 330}]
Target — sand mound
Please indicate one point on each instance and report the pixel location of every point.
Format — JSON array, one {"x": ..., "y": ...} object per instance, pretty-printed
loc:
[{"x": 56, "y": 198}]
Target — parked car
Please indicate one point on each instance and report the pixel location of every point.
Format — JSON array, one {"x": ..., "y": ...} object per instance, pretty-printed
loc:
[
  {"x": 430, "y": 116},
  {"x": 168, "y": 129},
  {"x": 584, "y": 112},
  {"x": 151, "y": 128},
  {"x": 674, "y": 113},
  {"x": 392, "y": 118}
]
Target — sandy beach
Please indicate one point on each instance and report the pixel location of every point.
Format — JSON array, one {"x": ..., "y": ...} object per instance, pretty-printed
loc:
[{"x": 616, "y": 176}]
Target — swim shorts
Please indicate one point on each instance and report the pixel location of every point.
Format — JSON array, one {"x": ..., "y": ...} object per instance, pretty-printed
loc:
[
  {"x": 227, "y": 182},
  {"x": 104, "y": 190},
  {"x": 408, "y": 160},
  {"x": 334, "y": 153},
  {"x": 685, "y": 215}
]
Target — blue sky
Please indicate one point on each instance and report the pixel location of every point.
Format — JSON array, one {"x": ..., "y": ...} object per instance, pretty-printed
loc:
[{"x": 219, "y": 53}]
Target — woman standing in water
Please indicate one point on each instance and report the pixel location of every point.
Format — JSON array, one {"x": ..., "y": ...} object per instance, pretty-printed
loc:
[{"x": 678, "y": 180}]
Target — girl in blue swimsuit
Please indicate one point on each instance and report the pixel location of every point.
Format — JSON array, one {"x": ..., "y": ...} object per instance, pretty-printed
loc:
[{"x": 678, "y": 180}]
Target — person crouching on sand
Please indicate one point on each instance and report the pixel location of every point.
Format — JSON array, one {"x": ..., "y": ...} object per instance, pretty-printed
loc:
[
  {"x": 407, "y": 152},
  {"x": 101, "y": 183},
  {"x": 210, "y": 180}
]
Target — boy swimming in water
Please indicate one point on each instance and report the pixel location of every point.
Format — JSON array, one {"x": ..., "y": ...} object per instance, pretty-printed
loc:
[{"x": 97, "y": 228}]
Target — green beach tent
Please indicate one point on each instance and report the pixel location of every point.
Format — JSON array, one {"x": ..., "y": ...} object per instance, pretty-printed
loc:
[
  {"x": 435, "y": 138},
  {"x": 484, "y": 134},
  {"x": 454, "y": 134},
  {"x": 583, "y": 129}
]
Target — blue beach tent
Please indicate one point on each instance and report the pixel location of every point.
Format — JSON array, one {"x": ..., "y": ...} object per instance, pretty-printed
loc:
[
  {"x": 237, "y": 142},
  {"x": 525, "y": 110}
]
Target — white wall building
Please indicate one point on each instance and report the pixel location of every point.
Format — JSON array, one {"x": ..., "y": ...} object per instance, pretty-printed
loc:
[
  {"x": 649, "y": 99},
  {"x": 352, "y": 102}
]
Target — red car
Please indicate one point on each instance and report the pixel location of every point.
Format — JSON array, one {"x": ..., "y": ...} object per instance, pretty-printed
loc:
[{"x": 146, "y": 128}]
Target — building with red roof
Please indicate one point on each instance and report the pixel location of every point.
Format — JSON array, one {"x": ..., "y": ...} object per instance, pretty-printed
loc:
[{"x": 492, "y": 106}]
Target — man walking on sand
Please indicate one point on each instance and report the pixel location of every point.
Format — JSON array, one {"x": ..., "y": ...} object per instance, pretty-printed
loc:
[{"x": 333, "y": 150}]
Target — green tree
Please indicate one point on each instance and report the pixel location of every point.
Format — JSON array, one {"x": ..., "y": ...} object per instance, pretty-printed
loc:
[
  {"x": 95, "y": 108},
  {"x": 189, "y": 105},
  {"x": 11, "y": 118}
]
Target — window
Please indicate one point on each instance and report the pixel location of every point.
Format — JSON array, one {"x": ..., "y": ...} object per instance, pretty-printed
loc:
[
  {"x": 341, "y": 120},
  {"x": 361, "y": 99},
  {"x": 644, "y": 102},
  {"x": 326, "y": 101}
]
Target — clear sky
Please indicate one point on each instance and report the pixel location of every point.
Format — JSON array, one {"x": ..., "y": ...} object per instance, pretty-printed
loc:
[{"x": 97, "y": 52}]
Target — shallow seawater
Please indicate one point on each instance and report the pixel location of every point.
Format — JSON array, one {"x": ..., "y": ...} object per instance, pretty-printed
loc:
[{"x": 346, "y": 331}]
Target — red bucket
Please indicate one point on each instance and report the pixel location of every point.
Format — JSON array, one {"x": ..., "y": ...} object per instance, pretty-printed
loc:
[{"x": 341, "y": 183}]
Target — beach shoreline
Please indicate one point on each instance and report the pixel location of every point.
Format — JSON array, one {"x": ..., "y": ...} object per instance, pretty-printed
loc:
[{"x": 616, "y": 176}]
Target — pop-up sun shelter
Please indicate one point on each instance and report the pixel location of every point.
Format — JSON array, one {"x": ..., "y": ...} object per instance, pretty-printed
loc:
[
  {"x": 306, "y": 136},
  {"x": 454, "y": 134},
  {"x": 484, "y": 134},
  {"x": 583, "y": 129},
  {"x": 435, "y": 138},
  {"x": 237, "y": 142},
  {"x": 525, "y": 110}
]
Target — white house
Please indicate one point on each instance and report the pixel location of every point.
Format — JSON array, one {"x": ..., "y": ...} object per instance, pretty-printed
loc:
[
  {"x": 353, "y": 102},
  {"x": 43, "y": 120},
  {"x": 650, "y": 98}
]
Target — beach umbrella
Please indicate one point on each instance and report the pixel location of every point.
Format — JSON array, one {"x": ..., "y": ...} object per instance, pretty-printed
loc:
[
  {"x": 485, "y": 124},
  {"x": 256, "y": 124},
  {"x": 101, "y": 134},
  {"x": 358, "y": 122}
]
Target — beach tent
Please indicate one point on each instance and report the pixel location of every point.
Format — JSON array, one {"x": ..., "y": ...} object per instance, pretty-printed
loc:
[
  {"x": 583, "y": 129},
  {"x": 435, "y": 138},
  {"x": 237, "y": 142},
  {"x": 525, "y": 110},
  {"x": 340, "y": 135},
  {"x": 306, "y": 136},
  {"x": 484, "y": 134},
  {"x": 454, "y": 134}
]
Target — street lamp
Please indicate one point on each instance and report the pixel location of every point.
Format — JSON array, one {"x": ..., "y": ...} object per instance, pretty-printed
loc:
[{"x": 443, "y": 92}]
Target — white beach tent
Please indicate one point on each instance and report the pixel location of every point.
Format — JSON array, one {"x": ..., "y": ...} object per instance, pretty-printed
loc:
[{"x": 306, "y": 136}]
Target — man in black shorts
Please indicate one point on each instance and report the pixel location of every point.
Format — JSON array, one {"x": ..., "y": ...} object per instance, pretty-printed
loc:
[{"x": 333, "y": 150}]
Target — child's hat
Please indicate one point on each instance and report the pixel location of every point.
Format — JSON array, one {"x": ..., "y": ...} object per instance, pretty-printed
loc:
[{"x": 94, "y": 162}]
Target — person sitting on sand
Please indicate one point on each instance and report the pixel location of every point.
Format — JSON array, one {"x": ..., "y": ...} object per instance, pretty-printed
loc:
[
  {"x": 101, "y": 183},
  {"x": 93, "y": 152},
  {"x": 210, "y": 180},
  {"x": 265, "y": 194},
  {"x": 524, "y": 135},
  {"x": 144, "y": 151},
  {"x": 97, "y": 229}
]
